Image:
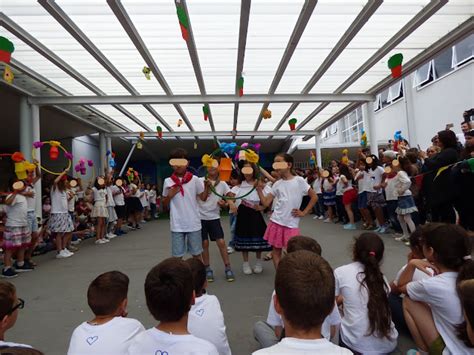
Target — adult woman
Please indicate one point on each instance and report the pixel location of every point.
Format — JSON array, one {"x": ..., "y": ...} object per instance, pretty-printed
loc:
[{"x": 437, "y": 186}]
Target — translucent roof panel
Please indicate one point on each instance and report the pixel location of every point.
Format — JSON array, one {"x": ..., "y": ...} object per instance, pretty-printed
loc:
[
  {"x": 328, "y": 112},
  {"x": 171, "y": 116},
  {"x": 157, "y": 24},
  {"x": 116, "y": 115}
]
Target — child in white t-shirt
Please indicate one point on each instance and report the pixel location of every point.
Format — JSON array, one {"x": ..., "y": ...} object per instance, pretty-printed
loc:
[
  {"x": 235, "y": 183},
  {"x": 110, "y": 332},
  {"x": 270, "y": 332},
  {"x": 304, "y": 298},
  {"x": 363, "y": 290},
  {"x": 433, "y": 309},
  {"x": 209, "y": 210},
  {"x": 169, "y": 293},
  {"x": 205, "y": 319},
  {"x": 289, "y": 192},
  {"x": 180, "y": 192},
  {"x": 100, "y": 211}
]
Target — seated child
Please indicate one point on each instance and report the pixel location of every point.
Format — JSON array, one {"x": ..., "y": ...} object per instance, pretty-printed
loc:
[
  {"x": 304, "y": 297},
  {"x": 466, "y": 294},
  {"x": 109, "y": 332},
  {"x": 169, "y": 296},
  {"x": 270, "y": 332},
  {"x": 206, "y": 320},
  {"x": 10, "y": 304}
]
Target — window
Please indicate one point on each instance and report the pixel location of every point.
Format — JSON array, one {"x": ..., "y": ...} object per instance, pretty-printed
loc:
[
  {"x": 423, "y": 74},
  {"x": 443, "y": 63},
  {"x": 352, "y": 124},
  {"x": 389, "y": 96},
  {"x": 463, "y": 51}
]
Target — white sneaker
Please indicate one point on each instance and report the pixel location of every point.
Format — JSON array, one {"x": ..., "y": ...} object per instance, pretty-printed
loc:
[
  {"x": 105, "y": 240},
  {"x": 62, "y": 255},
  {"x": 142, "y": 221},
  {"x": 321, "y": 217},
  {"x": 403, "y": 238},
  {"x": 230, "y": 250},
  {"x": 327, "y": 220},
  {"x": 315, "y": 217},
  {"x": 100, "y": 241},
  {"x": 75, "y": 242},
  {"x": 111, "y": 236},
  {"x": 68, "y": 252},
  {"x": 247, "y": 269},
  {"x": 258, "y": 268}
]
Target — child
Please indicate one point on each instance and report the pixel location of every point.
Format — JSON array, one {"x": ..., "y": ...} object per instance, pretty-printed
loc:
[
  {"x": 206, "y": 320},
  {"x": 304, "y": 298},
  {"x": 406, "y": 203},
  {"x": 10, "y": 305},
  {"x": 432, "y": 309},
  {"x": 169, "y": 295},
  {"x": 142, "y": 194},
  {"x": 317, "y": 187},
  {"x": 209, "y": 212},
  {"x": 362, "y": 178},
  {"x": 17, "y": 235},
  {"x": 99, "y": 211},
  {"x": 363, "y": 290},
  {"x": 118, "y": 194},
  {"x": 152, "y": 201},
  {"x": 109, "y": 332},
  {"x": 180, "y": 192},
  {"x": 60, "y": 221},
  {"x": 33, "y": 177},
  {"x": 250, "y": 226},
  {"x": 349, "y": 195},
  {"x": 270, "y": 332},
  {"x": 289, "y": 191},
  {"x": 329, "y": 194},
  {"x": 235, "y": 183},
  {"x": 112, "y": 215},
  {"x": 375, "y": 198},
  {"x": 466, "y": 294},
  {"x": 340, "y": 210}
]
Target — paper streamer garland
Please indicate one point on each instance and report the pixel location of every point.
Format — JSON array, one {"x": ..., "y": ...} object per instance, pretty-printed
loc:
[
  {"x": 56, "y": 145},
  {"x": 363, "y": 138},
  {"x": 183, "y": 21}
]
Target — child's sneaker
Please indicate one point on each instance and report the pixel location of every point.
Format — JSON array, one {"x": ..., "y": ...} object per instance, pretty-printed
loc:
[
  {"x": 209, "y": 275},
  {"x": 230, "y": 250},
  {"x": 382, "y": 229},
  {"x": 68, "y": 252},
  {"x": 327, "y": 220},
  {"x": 9, "y": 273},
  {"x": 111, "y": 236},
  {"x": 62, "y": 255},
  {"x": 24, "y": 268},
  {"x": 403, "y": 238},
  {"x": 349, "y": 226},
  {"x": 258, "y": 268},
  {"x": 246, "y": 268},
  {"x": 229, "y": 275},
  {"x": 321, "y": 217}
]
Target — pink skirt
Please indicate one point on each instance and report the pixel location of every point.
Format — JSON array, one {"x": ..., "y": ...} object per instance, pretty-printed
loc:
[{"x": 278, "y": 236}]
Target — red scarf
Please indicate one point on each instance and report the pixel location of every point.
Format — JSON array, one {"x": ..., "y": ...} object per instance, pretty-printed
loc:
[{"x": 177, "y": 182}]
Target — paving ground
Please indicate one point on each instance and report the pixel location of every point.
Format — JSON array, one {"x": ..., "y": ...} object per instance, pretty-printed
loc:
[{"x": 55, "y": 293}]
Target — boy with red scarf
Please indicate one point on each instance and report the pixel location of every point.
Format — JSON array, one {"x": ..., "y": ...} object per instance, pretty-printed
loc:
[{"x": 180, "y": 192}]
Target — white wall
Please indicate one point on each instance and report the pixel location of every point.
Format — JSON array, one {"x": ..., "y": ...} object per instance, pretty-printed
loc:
[
  {"x": 391, "y": 119},
  {"x": 88, "y": 148}
]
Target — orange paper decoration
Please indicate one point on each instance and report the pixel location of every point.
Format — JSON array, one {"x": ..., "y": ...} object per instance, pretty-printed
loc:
[{"x": 225, "y": 169}]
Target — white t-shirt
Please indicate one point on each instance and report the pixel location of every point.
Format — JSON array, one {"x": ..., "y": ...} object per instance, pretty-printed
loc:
[
  {"x": 113, "y": 337},
  {"x": 154, "y": 342},
  {"x": 206, "y": 321},
  {"x": 71, "y": 201},
  {"x": 30, "y": 201},
  {"x": 58, "y": 201},
  {"x": 439, "y": 292},
  {"x": 345, "y": 187},
  {"x": 390, "y": 190},
  {"x": 184, "y": 209},
  {"x": 143, "y": 195},
  {"x": 209, "y": 209},
  {"x": 374, "y": 178},
  {"x": 328, "y": 186},
  {"x": 334, "y": 318},
  {"x": 363, "y": 183},
  {"x": 119, "y": 198},
  {"x": 290, "y": 346},
  {"x": 17, "y": 212},
  {"x": 110, "y": 197},
  {"x": 317, "y": 186},
  {"x": 253, "y": 197},
  {"x": 355, "y": 323},
  {"x": 417, "y": 275},
  {"x": 402, "y": 184},
  {"x": 11, "y": 345},
  {"x": 290, "y": 195},
  {"x": 152, "y": 197},
  {"x": 339, "y": 187},
  {"x": 235, "y": 191},
  {"x": 100, "y": 195}
]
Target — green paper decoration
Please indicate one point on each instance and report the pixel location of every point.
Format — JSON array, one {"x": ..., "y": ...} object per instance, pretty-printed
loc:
[
  {"x": 395, "y": 65},
  {"x": 159, "y": 131},
  {"x": 183, "y": 22},
  {"x": 240, "y": 85},
  {"x": 292, "y": 123},
  {"x": 6, "y": 49},
  {"x": 205, "y": 111}
]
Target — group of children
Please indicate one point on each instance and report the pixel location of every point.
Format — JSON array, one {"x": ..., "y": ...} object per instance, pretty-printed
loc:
[{"x": 313, "y": 309}]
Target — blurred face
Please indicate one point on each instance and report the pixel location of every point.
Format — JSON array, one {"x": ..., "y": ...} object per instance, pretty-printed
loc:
[
  {"x": 465, "y": 127},
  {"x": 334, "y": 164},
  {"x": 248, "y": 176},
  {"x": 431, "y": 151},
  {"x": 335, "y": 170},
  {"x": 180, "y": 170},
  {"x": 213, "y": 173},
  {"x": 14, "y": 316},
  {"x": 279, "y": 167},
  {"x": 233, "y": 182},
  {"x": 469, "y": 141}
]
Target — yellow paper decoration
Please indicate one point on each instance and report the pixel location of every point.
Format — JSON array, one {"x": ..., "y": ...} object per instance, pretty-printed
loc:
[
  {"x": 8, "y": 75},
  {"x": 208, "y": 161},
  {"x": 251, "y": 156}
]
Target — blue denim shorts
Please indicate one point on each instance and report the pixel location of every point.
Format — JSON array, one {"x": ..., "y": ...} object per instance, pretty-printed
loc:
[
  {"x": 32, "y": 222},
  {"x": 179, "y": 241},
  {"x": 362, "y": 200}
]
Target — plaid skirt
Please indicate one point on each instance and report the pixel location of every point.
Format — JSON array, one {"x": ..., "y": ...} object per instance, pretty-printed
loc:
[
  {"x": 60, "y": 223},
  {"x": 16, "y": 237},
  {"x": 376, "y": 199}
]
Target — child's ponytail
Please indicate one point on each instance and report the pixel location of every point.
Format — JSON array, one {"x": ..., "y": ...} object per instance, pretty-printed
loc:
[{"x": 368, "y": 250}]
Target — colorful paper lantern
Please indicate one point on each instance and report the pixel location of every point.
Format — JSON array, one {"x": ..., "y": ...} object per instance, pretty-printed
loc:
[
  {"x": 395, "y": 65},
  {"x": 345, "y": 157},
  {"x": 225, "y": 169},
  {"x": 147, "y": 72},
  {"x": 292, "y": 123},
  {"x": 53, "y": 153},
  {"x": 6, "y": 50},
  {"x": 240, "y": 85},
  {"x": 267, "y": 114},
  {"x": 205, "y": 111},
  {"x": 183, "y": 21}
]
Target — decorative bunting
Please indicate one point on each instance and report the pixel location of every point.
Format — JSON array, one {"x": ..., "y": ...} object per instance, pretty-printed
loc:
[
  {"x": 240, "y": 85},
  {"x": 267, "y": 114},
  {"x": 205, "y": 111},
  {"x": 183, "y": 21}
]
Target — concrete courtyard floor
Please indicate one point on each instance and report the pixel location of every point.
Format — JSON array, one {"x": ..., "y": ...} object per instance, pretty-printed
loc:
[{"x": 55, "y": 293}]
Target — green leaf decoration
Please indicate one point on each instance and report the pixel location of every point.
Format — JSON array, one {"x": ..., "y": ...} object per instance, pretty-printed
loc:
[
  {"x": 395, "y": 60},
  {"x": 6, "y": 45}
]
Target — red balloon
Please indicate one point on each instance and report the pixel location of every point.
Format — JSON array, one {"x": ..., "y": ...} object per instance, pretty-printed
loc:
[{"x": 54, "y": 153}]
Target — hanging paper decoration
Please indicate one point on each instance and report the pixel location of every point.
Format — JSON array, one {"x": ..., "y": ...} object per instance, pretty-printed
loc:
[
  {"x": 37, "y": 145},
  {"x": 142, "y": 136},
  {"x": 131, "y": 175},
  {"x": 112, "y": 162},
  {"x": 267, "y": 114},
  {"x": 80, "y": 167},
  {"x": 395, "y": 65},
  {"x": 228, "y": 148},
  {"x": 345, "y": 157},
  {"x": 183, "y": 21},
  {"x": 147, "y": 72},
  {"x": 6, "y": 50},
  {"x": 292, "y": 123},
  {"x": 8, "y": 75},
  {"x": 90, "y": 163},
  {"x": 139, "y": 145},
  {"x": 397, "y": 140},
  {"x": 363, "y": 138},
  {"x": 20, "y": 165},
  {"x": 240, "y": 85},
  {"x": 54, "y": 151},
  {"x": 205, "y": 111},
  {"x": 179, "y": 123},
  {"x": 68, "y": 156},
  {"x": 195, "y": 145},
  {"x": 107, "y": 153},
  {"x": 312, "y": 158},
  {"x": 159, "y": 131},
  {"x": 225, "y": 169}
]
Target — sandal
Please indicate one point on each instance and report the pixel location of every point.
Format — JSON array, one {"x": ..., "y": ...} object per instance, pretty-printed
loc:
[{"x": 268, "y": 257}]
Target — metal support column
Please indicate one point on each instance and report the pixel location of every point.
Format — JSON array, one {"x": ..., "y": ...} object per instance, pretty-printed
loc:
[
  {"x": 26, "y": 136},
  {"x": 108, "y": 144},
  {"x": 35, "y": 137},
  {"x": 371, "y": 127},
  {"x": 317, "y": 139},
  {"x": 102, "y": 152},
  {"x": 128, "y": 159}
]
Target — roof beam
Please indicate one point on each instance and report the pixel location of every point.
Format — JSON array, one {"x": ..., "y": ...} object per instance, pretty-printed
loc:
[
  {"x": 18, "y": 31},
  {"x": 367, "y": 11},
  {"x": 193, "y": 54},
  {"x": 243, "y": 29},
  {"x": 295, "y": 37},
  {"x": 196, "y": 99},
  {"x": 209, "y": 134},
  {"x": 68, "y": 24},
  {"x": 420, "y": 18},
  {"x": 127, "y": 24},
  {"x": 46, "y": 82}
]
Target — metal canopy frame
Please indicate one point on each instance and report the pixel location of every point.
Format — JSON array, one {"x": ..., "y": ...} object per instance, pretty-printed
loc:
[
  {"x": 338, "y": 95},
  {"x": 210, "y": 135}
]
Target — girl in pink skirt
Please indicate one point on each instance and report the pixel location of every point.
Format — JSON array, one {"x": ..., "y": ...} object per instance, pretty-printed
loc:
[{"x": 289, "y": 192}]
